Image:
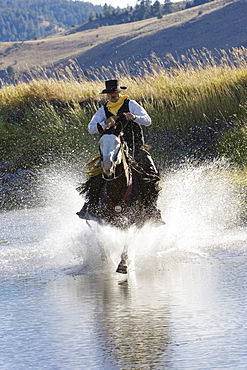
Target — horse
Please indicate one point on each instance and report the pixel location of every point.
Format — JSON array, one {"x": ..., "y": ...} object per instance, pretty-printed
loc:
[
  {"x": 121, "y": 195},
  {"x": 122, "y": 198}
]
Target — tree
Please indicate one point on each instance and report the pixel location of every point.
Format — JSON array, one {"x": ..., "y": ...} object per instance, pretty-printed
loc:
[
  {"x": 91, "y": 17},
  {"x": 107, "y": 10},
  {"x": 167, "y": 6},
  {"x": 144, "y": 9},
  {"x": 156, "y": 9},
  {"x": 10, "y": 70}
]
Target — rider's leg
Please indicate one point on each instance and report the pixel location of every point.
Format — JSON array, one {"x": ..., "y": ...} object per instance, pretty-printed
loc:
[
  {"x": 150, "y": 177},
  {"x": 145, "y": 161}
]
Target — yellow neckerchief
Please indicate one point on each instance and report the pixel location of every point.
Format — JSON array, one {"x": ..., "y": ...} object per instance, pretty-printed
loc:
[{"x": 114, "y": 107}]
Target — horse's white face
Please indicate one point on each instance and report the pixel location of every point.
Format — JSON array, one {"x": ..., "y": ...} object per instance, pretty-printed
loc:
[{"x": 109, "y": 145}]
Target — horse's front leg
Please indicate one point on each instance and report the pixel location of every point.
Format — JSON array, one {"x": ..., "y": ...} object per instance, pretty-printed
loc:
[{"x": 122, "y": 266}]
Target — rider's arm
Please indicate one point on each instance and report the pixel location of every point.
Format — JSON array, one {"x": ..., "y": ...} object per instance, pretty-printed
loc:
[
  {"x": 141, "y": 115},
  {"x": 99, "y": 117}
]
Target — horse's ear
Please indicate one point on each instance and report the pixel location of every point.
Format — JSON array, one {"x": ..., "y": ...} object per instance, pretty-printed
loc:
[{"x": 100, "y": 128}]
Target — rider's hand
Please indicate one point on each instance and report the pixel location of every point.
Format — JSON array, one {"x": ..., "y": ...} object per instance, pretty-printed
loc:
[
  {"x": 129, "y": 116},
  {"x": 111, "y": 121}
]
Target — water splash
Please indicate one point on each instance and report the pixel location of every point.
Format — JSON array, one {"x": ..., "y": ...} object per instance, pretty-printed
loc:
[{"x": 200, "y": 205}]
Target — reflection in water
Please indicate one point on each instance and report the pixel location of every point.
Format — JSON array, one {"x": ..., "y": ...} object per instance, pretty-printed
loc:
[
  {"x": 185, "y": 316},
  {"x": 182, "y": 306},
  {"x": 130, "y": 324},
  {"x": 137, "y": 325}
]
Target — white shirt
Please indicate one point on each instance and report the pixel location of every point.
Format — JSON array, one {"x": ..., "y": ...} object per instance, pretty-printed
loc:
[{"x": 142, "y": 118}]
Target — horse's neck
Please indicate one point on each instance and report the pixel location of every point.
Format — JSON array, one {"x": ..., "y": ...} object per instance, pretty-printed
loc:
[{"x": 116, "y": 188}]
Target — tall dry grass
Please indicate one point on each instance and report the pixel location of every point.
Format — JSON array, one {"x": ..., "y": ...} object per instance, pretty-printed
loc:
[{"x": 49, "y": 115}]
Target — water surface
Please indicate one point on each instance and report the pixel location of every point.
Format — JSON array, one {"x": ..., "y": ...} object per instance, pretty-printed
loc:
[{"x": 182, "y": 305}]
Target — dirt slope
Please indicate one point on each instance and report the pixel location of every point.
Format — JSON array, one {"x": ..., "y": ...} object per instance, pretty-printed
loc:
[{"x": 221, "y": 24}]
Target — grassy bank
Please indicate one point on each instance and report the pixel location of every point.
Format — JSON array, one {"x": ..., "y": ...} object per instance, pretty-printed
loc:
[{"x": 198, "y": 109}]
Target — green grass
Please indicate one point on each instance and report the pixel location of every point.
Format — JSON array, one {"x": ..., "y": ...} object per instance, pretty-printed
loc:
[
  {"x": 46, "y": 118},
  {"x": 43, "y": 132}
]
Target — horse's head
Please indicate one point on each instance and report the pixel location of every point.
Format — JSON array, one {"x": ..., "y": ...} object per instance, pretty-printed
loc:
[{"x": 109, "y": 147}]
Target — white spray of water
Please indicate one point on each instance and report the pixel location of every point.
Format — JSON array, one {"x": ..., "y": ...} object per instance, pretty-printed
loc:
[{"x": 200, "y": 205}]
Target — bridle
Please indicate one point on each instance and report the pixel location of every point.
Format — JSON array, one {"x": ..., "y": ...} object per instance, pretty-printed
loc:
[{"x": 122, "y": 151}]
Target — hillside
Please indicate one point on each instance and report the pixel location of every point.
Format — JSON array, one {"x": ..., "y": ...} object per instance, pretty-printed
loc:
[
  {"x": 220, "y": 24},
  {"x": 22, "y": 20}
]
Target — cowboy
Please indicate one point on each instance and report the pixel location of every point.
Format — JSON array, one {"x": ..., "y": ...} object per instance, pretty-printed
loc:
[{"x": 133, "y": 116}]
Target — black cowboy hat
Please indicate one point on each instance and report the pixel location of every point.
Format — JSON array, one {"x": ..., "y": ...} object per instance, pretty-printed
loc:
[{"x": 112, "y": 86}]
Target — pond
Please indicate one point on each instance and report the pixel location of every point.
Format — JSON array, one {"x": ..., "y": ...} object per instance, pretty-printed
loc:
[{"x": 181, "y": 306}]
